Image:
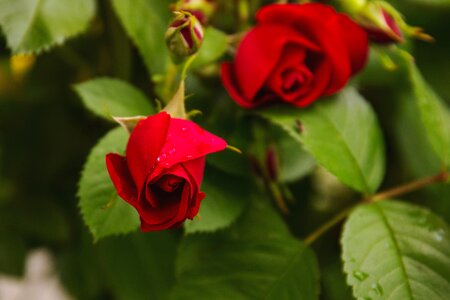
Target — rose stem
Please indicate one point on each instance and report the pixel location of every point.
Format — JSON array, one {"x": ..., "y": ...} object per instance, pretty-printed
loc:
[{"x": 394, "y": 192}]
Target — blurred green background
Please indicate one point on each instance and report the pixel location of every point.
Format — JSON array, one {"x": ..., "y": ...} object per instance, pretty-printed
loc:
[{"x": 46, "y": 134}]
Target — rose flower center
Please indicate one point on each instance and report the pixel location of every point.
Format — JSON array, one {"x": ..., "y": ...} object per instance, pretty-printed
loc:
[{"x": 169, "y": 183}]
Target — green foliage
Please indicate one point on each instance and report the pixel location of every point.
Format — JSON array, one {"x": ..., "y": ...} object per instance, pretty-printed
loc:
[
  {"x": 139, "y": 266},
  {"x": 32, "y": 26},
  {"x": 215, "y": 44},
  {"x": 393, "y": 250},
  {"x": 256, "y": 258},
  {"x": 146, "y": 23},
  {"x": 227, "y": 196},
  {"x": 342, "y": 134},
  {"x": 294, "y": 162},
  {"x": 240, "y": 247},
  {"x": 103, "y": 210},
  {"x": 108, "y": 97},
  {"x": 435, "y": 115},
  {"x": 418, "y": 155}
]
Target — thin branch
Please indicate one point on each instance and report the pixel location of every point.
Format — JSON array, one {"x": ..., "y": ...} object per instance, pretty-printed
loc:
[
  {"x": 409, "y": 187},
  {"x": 328, "y": 225},
  {"x": 394, "y": 192}
]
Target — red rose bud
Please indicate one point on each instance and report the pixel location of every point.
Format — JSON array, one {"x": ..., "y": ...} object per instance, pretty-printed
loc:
[
  {"x": 201, "y": 9},
  {"x": 162, "y": 170},
  {"x": 184, "y": 35},
  {"x": 293, "y": 56},
  {"x": 381, "y": 22}
]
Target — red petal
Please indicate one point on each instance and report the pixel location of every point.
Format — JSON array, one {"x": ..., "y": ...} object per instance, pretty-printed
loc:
[
  {"x": 259, "y": 53},
  {"x": 145, "y": 144},
  {"x": 169, "y": 211},
  {"x": 186, "y": 141},
  {"x": 121, "y": 178},
  {"x": 356, "y": 41},
  {"x": 230, "y": 84},
  {"x": 266, "y": 13},
  {"x": 317, "y": 21},
  {"x": 322, "y": 77}
]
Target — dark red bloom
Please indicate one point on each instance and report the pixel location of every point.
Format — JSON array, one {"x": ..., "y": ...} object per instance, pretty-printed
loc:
[
  {"x": 162, "y": 171},
  {"x": 295, "y": 53}
]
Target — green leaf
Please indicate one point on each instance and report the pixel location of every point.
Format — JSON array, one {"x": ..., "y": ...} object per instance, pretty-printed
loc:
[
  {"x": 103, "y": 210},
  {"x": 139, "y": 266},
  {"x": 215, "y": 44},
  {"x": 226, "y": 198},
  {"x": 146, "y": 22},
  {"x": 435, "y": 115},
  {"x": 341, "y": 133},
  {"x": 294, "y": 161},
  {"x": 394, "y": 250},
  {"x": 417, "y": 154},
  {"x": 256, "y": 258},
  {"x": 108, "y": 97},
  {"x": 37, "y": 25}
]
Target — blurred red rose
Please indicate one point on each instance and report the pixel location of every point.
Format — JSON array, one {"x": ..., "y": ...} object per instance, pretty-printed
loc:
[
  {"x": 296, "y": 53},
  {"x": 163, "y": 169}
]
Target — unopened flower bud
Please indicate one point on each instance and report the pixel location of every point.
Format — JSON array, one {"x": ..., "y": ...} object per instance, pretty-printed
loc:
[
  {"x": 381, "y": 22},
  {"x": 184, "y": 35},
  {"x": 201, "y": 9}
]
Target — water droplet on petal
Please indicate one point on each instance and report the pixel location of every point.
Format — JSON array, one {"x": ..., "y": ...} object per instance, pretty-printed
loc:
[
  {"x": 166, "y": 164},
  {"x": 184, "y": 129},
  {"x": 188, "y": 156},
  {"x": 360, "y": 276},
  {"x": 171, "y": 151}
]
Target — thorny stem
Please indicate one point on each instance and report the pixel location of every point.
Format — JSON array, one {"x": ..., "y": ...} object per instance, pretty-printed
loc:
[{"x": 391, "y": 193}]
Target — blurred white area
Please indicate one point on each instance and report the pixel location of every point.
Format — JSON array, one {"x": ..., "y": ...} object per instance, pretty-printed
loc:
[{"x": 40, "y": 281}]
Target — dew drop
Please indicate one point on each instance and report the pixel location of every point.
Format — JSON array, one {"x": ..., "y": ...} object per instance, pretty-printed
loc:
[
  {"x": 171, "y": 151},
  {"x": 377, "y": 289},
  {"x": 188, "y": 156},
  {"x": 158, "y": 159},
  {"x": 166, "y": 164},
  {"x": 184, "y": 129},
  {"x": 360, "y": 276}
]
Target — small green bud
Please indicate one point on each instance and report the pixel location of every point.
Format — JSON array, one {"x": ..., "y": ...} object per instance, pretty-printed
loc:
[{"x": 184, "y": 35}]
